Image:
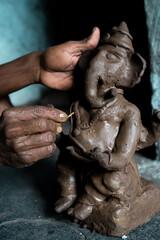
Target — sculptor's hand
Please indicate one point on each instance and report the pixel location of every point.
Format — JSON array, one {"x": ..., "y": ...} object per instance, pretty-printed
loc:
[
  {"x": 27, "y": 134},
  {"x": 58, "y": 62}
]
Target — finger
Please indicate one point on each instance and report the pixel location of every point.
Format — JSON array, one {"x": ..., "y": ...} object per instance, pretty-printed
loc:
[
  {"x": 90, "y": 42},
  {"x": 33, "y": 112},
  {"x": 33, "y": 155},
  {"x": 32, "y": 141},
  {"x": 23, "y": 128}
]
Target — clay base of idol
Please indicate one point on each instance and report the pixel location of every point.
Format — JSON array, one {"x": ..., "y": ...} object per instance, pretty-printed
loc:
[{"x": 118, "y": 219}]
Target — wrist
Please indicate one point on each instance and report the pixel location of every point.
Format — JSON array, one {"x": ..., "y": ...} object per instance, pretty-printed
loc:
[
  {"x": 19, "y": 73},
  {"x": 36, "y": 67}
]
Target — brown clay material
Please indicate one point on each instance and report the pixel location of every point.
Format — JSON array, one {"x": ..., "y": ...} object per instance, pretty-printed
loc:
[
  {"x": 97, "y": 174},
  {"x": 111, "y": 218}
]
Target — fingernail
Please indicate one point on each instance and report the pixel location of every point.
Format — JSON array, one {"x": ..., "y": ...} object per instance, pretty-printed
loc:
[
  {"x": 93, "y": 29},
  {"x": 63, "y": 116},
  {"x": 59, "y": 129},
  {"x": 50, "y": 105}
]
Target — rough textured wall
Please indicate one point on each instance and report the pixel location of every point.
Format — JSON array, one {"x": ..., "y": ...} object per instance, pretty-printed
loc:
[
  {"x": 22, "y": 30},
  {"x": 152, "y": 9}
]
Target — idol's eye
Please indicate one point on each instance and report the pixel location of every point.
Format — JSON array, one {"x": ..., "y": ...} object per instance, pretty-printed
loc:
[{"x": 111, "y": 56}]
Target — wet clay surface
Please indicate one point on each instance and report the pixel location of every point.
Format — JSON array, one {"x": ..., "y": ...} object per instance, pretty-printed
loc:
[{"x": 98, "y": 177}]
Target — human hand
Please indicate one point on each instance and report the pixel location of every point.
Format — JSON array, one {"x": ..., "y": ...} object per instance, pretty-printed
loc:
[
  {"x": 28, "y": 134},
  {"x": 58, "y": 62}
]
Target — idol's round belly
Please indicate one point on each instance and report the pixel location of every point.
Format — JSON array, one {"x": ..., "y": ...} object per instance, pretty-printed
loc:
[{"x": 101, "y": 135}]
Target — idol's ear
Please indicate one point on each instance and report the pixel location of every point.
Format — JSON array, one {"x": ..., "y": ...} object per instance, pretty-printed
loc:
[{"x": 138, "y": 67}]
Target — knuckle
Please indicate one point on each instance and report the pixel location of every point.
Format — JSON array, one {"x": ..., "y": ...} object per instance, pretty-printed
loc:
[
  {"x": 42, "y": 124},
  {"x": 50, "y": 137},
  {"x": 5, "y": 115},
  {"x": 37, "y": 111}
]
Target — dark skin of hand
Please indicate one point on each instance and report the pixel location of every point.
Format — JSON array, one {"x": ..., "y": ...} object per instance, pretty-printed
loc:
[{"x": 28, "y": 133}]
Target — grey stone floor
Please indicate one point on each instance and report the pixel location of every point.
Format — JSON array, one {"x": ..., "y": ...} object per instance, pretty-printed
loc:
[{"x": 27, "y": 199}]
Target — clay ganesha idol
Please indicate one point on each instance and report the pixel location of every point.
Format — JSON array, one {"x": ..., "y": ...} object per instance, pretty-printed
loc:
[{"x": 98, "y": 177}]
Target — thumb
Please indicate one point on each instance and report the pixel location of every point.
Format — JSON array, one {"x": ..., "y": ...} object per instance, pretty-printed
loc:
[{"x": 91, "y": 42}]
